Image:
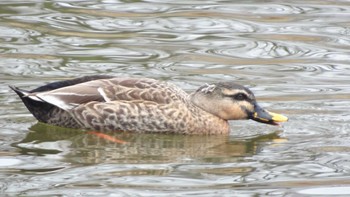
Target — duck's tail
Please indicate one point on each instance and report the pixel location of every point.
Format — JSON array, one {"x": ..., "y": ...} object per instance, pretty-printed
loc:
[
  {"x": 46, "y": 112},
  {"x": 18, "y": 91},
  {"x": 39, "y": 109}
]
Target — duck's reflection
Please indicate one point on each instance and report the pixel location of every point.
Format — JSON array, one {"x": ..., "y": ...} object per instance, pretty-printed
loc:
[{"x": 87, "y": 147}]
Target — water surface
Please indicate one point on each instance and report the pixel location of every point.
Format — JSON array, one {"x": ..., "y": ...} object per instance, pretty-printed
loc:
[{"x": 294, "y": 56}]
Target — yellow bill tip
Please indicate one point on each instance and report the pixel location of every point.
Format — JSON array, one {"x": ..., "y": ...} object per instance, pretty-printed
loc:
[
  {"x": 264, "y": 116},
  {"x": 278, "y": 117}
]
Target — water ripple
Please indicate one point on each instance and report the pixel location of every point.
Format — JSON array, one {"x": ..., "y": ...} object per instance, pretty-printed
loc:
[{"x": 294, "y": 56}]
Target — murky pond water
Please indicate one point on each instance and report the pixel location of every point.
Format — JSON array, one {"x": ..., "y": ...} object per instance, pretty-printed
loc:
[{"x": 294, "y": 56}]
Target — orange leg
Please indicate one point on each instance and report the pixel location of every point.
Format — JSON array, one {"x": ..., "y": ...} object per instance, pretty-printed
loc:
[{"x": 107, "y": 137}]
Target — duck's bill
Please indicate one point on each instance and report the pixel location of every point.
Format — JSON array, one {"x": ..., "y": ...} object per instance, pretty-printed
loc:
[{"x": 264, "y": 116}]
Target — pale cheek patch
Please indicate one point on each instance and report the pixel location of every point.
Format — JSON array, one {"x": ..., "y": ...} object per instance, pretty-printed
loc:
[
  {"x": 239, "y": 110},
  {"x": 229, "y": 112},
  {"x": 247, "y": 106}
]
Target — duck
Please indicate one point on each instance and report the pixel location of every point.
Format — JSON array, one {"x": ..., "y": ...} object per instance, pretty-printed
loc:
[{"x": 110, "y": 103}]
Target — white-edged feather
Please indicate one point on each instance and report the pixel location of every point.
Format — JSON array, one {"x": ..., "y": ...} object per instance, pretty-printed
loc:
[
  {"x": 103, "y": 94},
  {"x": 207, "y": 88},
  {"x": 55, "y": 100},
  {"x": 35, "y": 98}
]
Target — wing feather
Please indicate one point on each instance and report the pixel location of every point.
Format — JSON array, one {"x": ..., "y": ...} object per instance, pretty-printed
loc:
[{"x": 114, "y": 89}]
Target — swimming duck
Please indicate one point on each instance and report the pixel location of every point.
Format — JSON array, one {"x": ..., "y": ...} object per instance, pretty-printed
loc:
[{"x": 108, "y": 103}]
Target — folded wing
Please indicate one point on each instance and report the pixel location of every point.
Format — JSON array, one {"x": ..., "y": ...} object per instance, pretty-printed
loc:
[{"x": 107, "y": 90}]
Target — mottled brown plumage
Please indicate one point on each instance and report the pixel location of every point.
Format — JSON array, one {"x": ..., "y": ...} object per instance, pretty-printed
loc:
[{"x": 107, "y": 103}]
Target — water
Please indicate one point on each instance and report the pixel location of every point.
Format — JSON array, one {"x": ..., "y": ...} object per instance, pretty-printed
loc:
[{"x": 294, "y": 56}]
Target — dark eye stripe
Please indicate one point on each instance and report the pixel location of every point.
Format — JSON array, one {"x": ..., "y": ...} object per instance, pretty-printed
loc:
[{"x": 240, "y": 96}]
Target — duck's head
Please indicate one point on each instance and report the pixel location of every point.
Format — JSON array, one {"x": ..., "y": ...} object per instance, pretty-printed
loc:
[{"x": 231, "y": 101}]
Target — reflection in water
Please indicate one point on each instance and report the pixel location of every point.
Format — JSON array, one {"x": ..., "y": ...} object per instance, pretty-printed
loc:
[{"x": 84, "y": 147}]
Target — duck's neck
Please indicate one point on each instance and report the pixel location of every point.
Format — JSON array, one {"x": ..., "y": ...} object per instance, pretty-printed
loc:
[
  {"x": 211, "y": 124},
  {"x": 205, "y": 122}
]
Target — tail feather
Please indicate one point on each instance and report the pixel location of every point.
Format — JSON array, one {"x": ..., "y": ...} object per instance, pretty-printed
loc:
[
  {"x": 39, "y": 109},
  {"x": 18, "y": 91},
  {"x": 46, "y": 112}
]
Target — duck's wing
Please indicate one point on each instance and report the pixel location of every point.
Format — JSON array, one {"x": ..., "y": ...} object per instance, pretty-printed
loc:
[{"x": 114, "y": 89}]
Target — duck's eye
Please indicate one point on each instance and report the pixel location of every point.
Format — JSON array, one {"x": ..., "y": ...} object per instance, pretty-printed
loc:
[{"x": 240, "y": 96}]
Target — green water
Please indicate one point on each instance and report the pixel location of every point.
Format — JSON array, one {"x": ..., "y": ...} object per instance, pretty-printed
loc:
[{"x": 294, "y": 57}]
